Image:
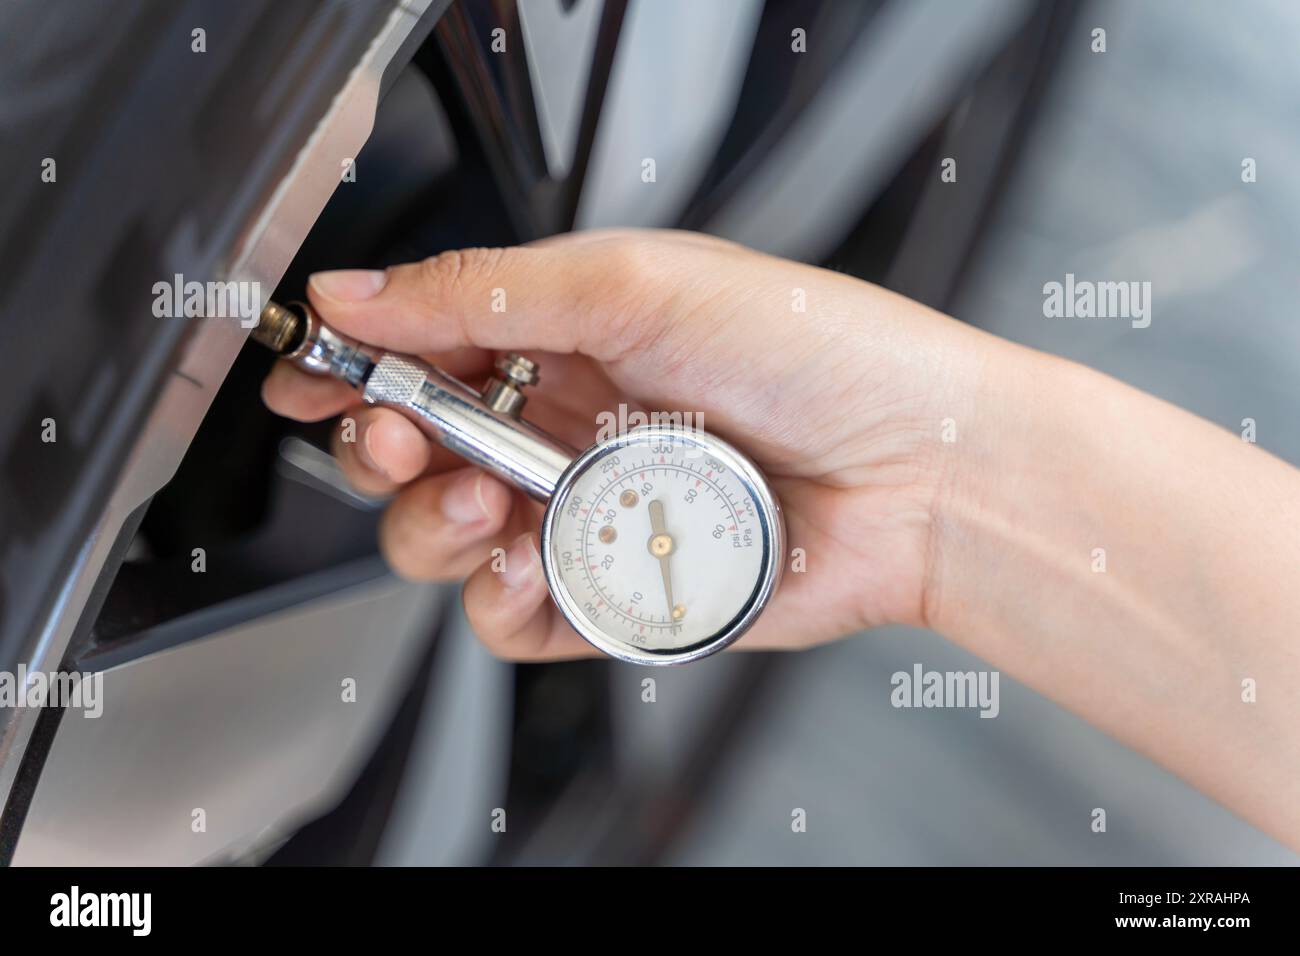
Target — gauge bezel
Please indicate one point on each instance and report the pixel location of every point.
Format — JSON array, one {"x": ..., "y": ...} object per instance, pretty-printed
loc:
[{"x": 771, "y": 527}]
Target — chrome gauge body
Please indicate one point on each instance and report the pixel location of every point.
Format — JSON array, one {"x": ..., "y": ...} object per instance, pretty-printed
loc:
[{"x": 662, "y": 545}]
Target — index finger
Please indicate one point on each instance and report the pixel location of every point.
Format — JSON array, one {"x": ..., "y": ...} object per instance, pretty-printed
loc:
[{"x": 592, "y": 297}]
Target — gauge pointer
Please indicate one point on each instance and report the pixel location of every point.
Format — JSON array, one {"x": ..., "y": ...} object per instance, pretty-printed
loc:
[{"x": 661, "y": 545}]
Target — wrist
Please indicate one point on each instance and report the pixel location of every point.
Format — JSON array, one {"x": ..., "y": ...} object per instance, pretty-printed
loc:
[{"x": 1010, "y": 463}]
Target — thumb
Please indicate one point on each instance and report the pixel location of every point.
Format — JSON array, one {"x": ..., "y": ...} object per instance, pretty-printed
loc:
[{"x": 592, "y": 297}]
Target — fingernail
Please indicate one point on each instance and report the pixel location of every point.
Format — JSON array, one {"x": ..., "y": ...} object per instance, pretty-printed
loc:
[
  {"x": 463, "y": 503},
  {"x": 348, "y": 285},
  {"x": 366, "y": 451},
  {"x": 522, "y": 560}
]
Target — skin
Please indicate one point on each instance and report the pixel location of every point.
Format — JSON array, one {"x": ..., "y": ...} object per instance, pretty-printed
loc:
[{"x": 988, "y": 539}]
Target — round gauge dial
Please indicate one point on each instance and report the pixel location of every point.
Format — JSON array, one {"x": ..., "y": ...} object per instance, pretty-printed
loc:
[{"x": 662, "y": 545}]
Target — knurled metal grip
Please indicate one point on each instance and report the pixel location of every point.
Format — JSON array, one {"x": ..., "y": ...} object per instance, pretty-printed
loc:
[{"x": 394, "y": 381}]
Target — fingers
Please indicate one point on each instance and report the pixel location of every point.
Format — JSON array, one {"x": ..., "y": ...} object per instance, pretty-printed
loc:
[
  {"x": 443, "y": 526},
  {"x": 599, "y": 297},
  {"x": 294, "y": 394},
  {"x": 509, "y": 609},
  {"x": 378, "y": 450}
]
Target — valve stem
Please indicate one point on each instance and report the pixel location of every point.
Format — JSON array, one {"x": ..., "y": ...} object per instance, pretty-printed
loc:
[
  {"x": 279, "y": 329},
  {"x": 295, "y": 332}
]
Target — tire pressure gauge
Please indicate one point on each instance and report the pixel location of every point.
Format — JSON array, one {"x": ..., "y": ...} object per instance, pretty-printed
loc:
[{"x": 660, "y": 546}]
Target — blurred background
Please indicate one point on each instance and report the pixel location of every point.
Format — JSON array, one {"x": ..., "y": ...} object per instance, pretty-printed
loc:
[{"x": 814, "y": 129}]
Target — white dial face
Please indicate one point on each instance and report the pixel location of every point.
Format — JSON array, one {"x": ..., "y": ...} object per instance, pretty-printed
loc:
[{"x": 660, "y": 542}]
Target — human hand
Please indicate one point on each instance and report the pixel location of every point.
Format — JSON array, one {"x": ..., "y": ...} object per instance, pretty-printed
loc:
[
  {"x": 851, "y": 409},
  {"x": 836, "y": 388}
]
